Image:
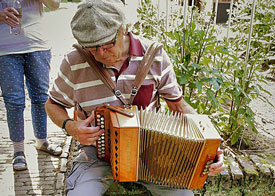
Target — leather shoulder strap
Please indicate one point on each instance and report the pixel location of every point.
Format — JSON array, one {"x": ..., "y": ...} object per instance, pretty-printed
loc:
[{"x": 143, "y": 69}]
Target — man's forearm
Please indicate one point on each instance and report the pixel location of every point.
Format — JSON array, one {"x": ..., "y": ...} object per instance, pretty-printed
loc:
[
  {"x": 51, "y": 4},
  {"x": 180, "y": 106},
  {"x": 56, "y": 112}
]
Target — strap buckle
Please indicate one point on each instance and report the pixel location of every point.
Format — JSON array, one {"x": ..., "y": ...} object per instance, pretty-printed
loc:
[
  {"x": 117, "y": 93},
  {"x": 134, "y": 91}
]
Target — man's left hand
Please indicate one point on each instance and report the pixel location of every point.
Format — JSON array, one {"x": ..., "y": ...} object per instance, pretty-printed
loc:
[{"x": 218, "y": 166}]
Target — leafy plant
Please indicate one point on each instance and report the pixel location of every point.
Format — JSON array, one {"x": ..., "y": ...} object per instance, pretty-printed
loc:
[{"x": 211, "y": 72}]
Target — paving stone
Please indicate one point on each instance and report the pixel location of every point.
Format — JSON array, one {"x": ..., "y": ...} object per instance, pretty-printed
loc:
[
  {"x": 23, "y": 179},
  {"x": 60, "y": 181},
  {"x": 48, "y": 174},
  {"x": 247, "y": 166},
  {"x": 237, "y": 176},
  {"x": 251, "y": 175},
  {"x": 48, "y": 192},
  {"x": 35, "y": 192},
  {"x": 235, "y": 169},
  {"x": 59, "y": 193},
  {"x": 261, "y": 164},
  {"x": 19, "y": 184},
  {"x": 63, "y": 166},
  {"x": 64, "y": 155},
  {"x": 21, "y": 192}
]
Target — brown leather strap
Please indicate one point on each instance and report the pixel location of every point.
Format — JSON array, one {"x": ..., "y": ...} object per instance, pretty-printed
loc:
[
  {"x": 102, "y": 73},
  {"x": 143, "y": 69},
  {"x": 105, "y": 77}
]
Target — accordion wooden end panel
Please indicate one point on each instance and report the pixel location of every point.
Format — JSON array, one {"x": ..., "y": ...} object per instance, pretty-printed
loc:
[{"x": 168, "y": 150}]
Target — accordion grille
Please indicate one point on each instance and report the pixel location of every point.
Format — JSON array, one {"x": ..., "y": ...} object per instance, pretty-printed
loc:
[{"x": 169, "y": 149}]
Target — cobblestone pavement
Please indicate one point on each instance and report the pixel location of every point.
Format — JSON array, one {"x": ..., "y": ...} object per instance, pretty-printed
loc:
[{"x": 45, "y": 174}]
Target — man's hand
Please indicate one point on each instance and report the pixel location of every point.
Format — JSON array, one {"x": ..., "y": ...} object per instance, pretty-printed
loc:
[
  {"x": 218, "y": 166},
  {"x": 83, "y": 132},
  {"x": 9, "y": 16}
]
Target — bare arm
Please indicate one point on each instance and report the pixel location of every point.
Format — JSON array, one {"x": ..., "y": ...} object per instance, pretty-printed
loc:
[
  {"x": 180, "y": 106},
  {"x": 51, "y": 4},
  {"x": 80, "y": 130}
]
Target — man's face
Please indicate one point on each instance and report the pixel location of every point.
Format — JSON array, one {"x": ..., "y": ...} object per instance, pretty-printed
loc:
[{"x": 108, "y": 53}]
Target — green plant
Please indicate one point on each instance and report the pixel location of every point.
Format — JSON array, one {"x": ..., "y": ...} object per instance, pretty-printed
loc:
[{"x": 210, "y": 71}]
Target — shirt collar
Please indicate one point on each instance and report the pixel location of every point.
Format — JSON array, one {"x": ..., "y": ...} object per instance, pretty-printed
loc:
[{"x": 135, "y": 46}]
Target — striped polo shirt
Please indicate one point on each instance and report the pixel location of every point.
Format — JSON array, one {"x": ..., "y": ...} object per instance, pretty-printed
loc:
[{"x": 77, "y": 83}]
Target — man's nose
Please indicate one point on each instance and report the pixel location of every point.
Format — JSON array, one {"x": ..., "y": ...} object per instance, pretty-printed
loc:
[{"x": 100, "y": 51}]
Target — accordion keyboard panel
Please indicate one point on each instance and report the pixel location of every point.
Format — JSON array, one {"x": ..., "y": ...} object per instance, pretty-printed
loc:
[{"x": 103, "y": 144}]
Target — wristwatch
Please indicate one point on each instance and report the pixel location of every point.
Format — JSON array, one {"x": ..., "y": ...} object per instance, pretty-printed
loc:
[{"x": 64, "y": 125}]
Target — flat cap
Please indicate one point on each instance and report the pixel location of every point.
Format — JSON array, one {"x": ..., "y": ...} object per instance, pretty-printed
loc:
[{"x": 97, "y": 21}]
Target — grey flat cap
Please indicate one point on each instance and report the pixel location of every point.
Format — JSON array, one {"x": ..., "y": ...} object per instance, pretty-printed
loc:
[{"x": 97, "y": 21}]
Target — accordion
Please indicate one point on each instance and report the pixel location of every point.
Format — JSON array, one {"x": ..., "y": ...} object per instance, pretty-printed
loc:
[{"x": 161, "y": 148}]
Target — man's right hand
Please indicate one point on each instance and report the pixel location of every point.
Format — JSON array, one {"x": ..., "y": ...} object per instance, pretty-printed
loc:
[
  {"x": 83, "y": 132},
  {"x": 9, "y": 16}
]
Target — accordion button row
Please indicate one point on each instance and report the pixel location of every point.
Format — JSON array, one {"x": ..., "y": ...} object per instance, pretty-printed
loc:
[{"x": 101, "y": 140}]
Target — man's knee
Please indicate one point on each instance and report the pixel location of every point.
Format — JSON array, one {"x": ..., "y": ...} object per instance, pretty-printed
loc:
[{"x": 88, "y": 178}]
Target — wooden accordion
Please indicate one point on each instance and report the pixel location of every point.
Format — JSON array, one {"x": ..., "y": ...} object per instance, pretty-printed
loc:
[{"x": 161, "y": 148}]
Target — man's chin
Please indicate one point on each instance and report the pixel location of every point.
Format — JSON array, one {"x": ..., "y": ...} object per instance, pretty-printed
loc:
[{"x": 107, "y": 63}]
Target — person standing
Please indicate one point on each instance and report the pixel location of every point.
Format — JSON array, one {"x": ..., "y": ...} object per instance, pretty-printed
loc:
[{"x": 25, "y": 54}]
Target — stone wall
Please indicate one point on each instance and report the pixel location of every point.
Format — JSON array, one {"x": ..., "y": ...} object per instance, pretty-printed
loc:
[{"x": 244, "y": 175}]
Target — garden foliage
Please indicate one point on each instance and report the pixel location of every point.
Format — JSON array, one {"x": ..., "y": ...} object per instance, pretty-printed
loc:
[{"x": 213, "y": 73}]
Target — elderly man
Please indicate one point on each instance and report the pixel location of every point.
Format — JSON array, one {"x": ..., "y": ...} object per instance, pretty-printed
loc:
[{"x": 99, "y": 27}]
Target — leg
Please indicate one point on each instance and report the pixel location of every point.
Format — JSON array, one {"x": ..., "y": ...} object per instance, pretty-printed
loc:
[
  {"x": 12, "y": 85},
  {"x": 37, "y": 67},
  {"x": 88, "y": 178},
  {"x": 158, "y": 190}
]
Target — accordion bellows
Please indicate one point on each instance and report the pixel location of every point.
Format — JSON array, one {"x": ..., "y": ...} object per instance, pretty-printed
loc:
[{"x": 161, "y": 148}]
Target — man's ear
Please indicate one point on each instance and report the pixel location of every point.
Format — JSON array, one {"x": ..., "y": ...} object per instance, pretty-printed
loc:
[{"x": 126, "y": 30}]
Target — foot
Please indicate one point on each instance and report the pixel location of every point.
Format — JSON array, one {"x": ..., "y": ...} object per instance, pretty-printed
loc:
[
  {"x": 50, "y": 148},
  {"x": 19, "y": 161}
]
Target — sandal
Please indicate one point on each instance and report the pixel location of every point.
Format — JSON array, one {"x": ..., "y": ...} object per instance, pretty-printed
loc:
[
  {"x": 19, "y": 161},
  {"x": 52, "y": 149}
]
